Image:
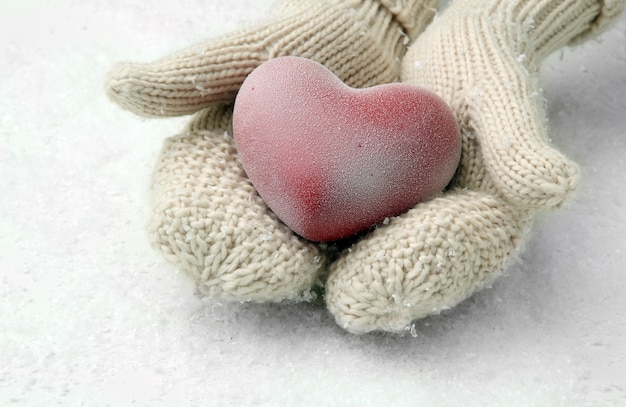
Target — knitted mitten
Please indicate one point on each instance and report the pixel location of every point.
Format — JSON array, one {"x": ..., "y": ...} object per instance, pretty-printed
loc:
[
  {"x": 361, "y": 41},
  {"x": 483, "y": 58},
  {"x": 208, "y": 220}
]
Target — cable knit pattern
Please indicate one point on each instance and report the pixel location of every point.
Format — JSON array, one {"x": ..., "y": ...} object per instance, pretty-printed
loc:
[{"x": 361, "y": 41}]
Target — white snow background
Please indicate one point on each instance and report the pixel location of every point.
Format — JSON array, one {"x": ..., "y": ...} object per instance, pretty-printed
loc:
[{"x": 91, "y": 316}]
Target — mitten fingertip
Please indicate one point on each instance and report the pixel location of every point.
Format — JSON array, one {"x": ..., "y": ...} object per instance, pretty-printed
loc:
[
  {"x": 122, "y": 88},
  {"x": 538, "y": 180},
  {"x": 113, "y": 83}
]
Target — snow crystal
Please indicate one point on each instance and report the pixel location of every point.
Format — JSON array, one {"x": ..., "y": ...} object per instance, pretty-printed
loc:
[
  {"x": 203, "y": 90},
  {"x": 412, "y": 330},
  {"x": 506, "y": 141},
  {"x": 405, "y": 37}
]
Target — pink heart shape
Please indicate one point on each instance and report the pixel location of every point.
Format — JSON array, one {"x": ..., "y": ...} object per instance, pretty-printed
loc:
[{"x": 331, "y": 160}]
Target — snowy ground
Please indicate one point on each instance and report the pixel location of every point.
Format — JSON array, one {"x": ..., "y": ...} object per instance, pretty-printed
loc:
[{"x": 91, "y": 316}]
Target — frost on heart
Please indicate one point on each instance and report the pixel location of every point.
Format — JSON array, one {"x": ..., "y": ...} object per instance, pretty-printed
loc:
[{"x": 330, "y": 160}]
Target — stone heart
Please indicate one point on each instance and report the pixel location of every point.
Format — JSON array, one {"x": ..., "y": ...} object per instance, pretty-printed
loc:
[{"x": 332, "y": 161}]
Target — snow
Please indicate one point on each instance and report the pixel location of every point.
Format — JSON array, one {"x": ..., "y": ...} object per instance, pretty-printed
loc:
[{"x": 91, "y": 316}]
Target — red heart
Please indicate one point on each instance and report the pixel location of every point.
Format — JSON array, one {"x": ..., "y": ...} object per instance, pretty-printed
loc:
[{"x": 332, "y": 161}]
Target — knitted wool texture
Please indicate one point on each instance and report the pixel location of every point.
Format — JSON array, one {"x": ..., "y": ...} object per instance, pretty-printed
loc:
[
  {"x": 361, "y": 41},
  {"x": 482, "y": 57},
  {"x": 208, "y": 219}
]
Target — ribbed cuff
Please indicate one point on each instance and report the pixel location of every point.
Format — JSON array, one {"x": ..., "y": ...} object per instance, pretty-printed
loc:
[
  {"x": 609, "y": 12},
  {"x": 552, "y": 24}
]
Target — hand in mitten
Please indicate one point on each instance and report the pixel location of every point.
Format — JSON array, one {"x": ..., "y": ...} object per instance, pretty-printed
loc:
[
  {"x": 361, "y": 41},
  {"x": 208, "y": 219},
  {"x": 483, "y": 58}
]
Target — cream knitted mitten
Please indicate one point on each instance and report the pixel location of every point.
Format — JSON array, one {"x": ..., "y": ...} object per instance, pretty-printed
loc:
[
  {"x": 208, "y": 220},
  {"x": 483, "y": 58},
  {"x": 361, "y": 41}
]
